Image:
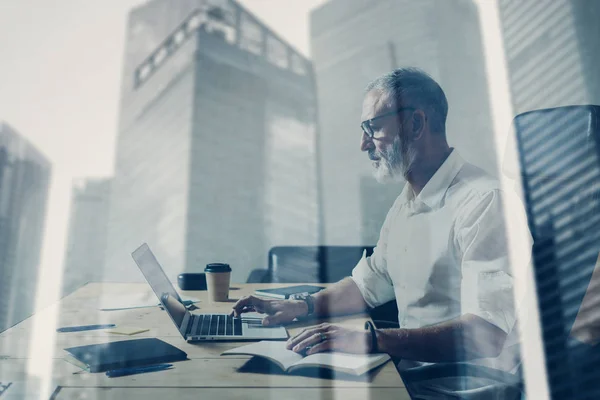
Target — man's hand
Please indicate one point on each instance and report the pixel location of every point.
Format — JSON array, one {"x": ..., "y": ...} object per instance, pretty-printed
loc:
[
  {"x": 279, "y": 311},
  {"x": 330, "y": 337}
]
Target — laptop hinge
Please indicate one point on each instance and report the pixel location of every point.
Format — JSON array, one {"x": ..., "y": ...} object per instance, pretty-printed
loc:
[
  {"x": 188, "y": 328},
  {"x": 185, "y": 324}
]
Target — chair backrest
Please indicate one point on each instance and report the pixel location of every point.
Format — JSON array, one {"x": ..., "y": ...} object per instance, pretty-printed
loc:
[
  {"x": 313, "y": 264},
  {"x": 559, "y": 153},
  {"x": 324, "y": 264}
]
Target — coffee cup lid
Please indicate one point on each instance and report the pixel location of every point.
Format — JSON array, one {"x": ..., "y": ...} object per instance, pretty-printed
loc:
[{"x": 217, "y": 267}]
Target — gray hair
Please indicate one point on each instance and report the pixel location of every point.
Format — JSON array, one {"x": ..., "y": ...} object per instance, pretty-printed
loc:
[{"x": 414, "y": 87}]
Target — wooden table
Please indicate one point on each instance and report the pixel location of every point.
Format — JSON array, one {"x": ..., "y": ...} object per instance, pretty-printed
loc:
[{"x": 206, "y": 375}]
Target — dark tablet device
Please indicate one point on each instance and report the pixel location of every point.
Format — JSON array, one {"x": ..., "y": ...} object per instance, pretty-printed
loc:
[{"x": 286, "y": 292}]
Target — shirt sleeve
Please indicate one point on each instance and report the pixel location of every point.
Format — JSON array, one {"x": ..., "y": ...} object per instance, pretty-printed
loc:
[
  {"x": 487, "y": 280},
  {"x": 371, "y": 274}
]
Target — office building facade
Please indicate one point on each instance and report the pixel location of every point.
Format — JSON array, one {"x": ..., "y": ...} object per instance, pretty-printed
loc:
[
  {"x": 551, "y": 52},
  {"x": 355, "y": 41},
  {"x": 86, "y": 243},
  {"x": 216, "y": 144},
  {"x": 24, "y": 182}
]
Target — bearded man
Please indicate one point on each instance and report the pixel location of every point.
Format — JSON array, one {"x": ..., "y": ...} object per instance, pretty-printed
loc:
[{"x": 442, "y": 253}]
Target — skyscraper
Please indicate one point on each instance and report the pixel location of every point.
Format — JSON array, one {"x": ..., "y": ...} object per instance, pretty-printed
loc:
[
  {"x": 24, "y": 183},
  {"x": 586, "y": 15},
  {"x": 355, "y": 41},
  {"x": 552, "y": 52},
  {"x": 86, "y": 245},
  {"x": 216, "y": 143}
]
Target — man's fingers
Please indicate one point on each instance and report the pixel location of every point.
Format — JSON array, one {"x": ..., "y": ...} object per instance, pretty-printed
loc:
[
  {"x": 293, "y": 341},
  {"x": 328, "y": 344},
  {"x": 244, "y": 302},
  {"x": 238, "y": 306},
  {"x": 305, "y": 334},
  {"x": 245, "y": 309},
  {"x": 276, "y": 319},
  {"x": 330, "y": 337},
  {"x": 311, "y": 341}
]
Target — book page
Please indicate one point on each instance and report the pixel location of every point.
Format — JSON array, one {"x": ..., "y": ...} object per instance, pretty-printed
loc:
[
  {"x": 356, "y": 364},
  {"x": 275, "y": 351}
]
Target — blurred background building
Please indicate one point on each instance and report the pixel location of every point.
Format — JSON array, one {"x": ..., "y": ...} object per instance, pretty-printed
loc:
[
  {"x": 216, "y": 149},
  {"x": 552, "y": 52},
  {"x": 24, "y": 181},
  {"x": 553, "y": 57},
  {"x": 86, "y": 243},
  {"x": 355, "y": 41}
]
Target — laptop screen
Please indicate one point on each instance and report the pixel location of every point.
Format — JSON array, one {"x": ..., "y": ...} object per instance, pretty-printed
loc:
[
  {"x": 175, "y": 309},
  {"x": 153, "y": 272}
]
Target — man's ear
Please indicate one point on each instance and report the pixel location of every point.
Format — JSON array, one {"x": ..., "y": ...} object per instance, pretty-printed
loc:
[{"x": 418, "y": 120}]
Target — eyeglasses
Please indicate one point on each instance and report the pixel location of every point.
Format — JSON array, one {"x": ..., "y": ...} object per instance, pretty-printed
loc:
[{"x": 368, "y": 128}]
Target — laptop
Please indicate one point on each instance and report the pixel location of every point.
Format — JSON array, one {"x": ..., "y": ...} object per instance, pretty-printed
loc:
[
  {"x": 200, "y": 327},
  {"x": 154, "y": 274},
  {"x": 207, "y": 327}
]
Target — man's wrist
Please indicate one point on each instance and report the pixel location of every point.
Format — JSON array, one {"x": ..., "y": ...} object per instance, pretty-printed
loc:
[
  {"x": 308, "y": 301},
  {"x": 300, "y": 308}
]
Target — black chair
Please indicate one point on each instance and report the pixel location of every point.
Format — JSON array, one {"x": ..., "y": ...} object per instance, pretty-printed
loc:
[
  {"x": 320, "y": 264},
  {"x": 309, "y": 264}
]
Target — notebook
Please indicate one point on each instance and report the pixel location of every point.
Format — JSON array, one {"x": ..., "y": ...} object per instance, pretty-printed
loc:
[
  {"x": 127, "y": 330},
  {"x": 289, "y": 361},
  {"x": 127, "y": 353}
]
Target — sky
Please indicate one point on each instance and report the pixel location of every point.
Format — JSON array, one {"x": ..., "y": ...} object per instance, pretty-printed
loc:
[{"x": 60, "y": 73}]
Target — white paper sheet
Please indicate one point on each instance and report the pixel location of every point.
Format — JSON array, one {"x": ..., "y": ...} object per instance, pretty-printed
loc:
[{"x": 131, "y": 301}]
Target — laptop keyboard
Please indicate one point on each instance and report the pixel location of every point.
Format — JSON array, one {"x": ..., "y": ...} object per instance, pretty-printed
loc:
[{"x": 215, "y": 325}]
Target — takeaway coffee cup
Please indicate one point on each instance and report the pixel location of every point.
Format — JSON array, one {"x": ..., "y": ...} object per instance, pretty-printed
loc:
[{"x": 217, "y": 281}]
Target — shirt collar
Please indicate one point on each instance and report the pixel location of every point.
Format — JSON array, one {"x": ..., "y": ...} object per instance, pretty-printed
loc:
[{"x": 435, "y": 189}]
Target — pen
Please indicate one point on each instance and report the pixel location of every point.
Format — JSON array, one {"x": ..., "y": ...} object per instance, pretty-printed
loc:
[
  {"x": 138, "y": 370},
  {"x": 84, "y": 328}
]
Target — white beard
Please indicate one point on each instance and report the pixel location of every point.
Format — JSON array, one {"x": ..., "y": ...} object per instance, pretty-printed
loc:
[
  {"x": 394, "y": 163},
  {"x": 383, "y": 172}
]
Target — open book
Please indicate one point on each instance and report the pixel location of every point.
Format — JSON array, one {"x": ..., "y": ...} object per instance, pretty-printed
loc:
[{"x": 289, "y": 361}]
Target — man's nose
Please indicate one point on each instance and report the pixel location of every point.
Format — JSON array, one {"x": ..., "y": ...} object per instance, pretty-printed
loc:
[{"x": 366, "y": 143}]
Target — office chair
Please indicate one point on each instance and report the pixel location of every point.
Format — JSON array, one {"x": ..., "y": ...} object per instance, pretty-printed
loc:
[
  {"x": 315, "y": 264},
  {"x": 309, "y": 264},
  {"x": 320, "y": 264}
]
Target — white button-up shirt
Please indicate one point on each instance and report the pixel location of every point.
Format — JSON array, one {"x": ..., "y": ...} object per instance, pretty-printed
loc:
[{"x": 444, "y": 253}]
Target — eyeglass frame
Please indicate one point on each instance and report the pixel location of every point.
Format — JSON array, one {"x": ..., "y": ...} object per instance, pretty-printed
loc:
[{"x": 366, "y": 125}]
